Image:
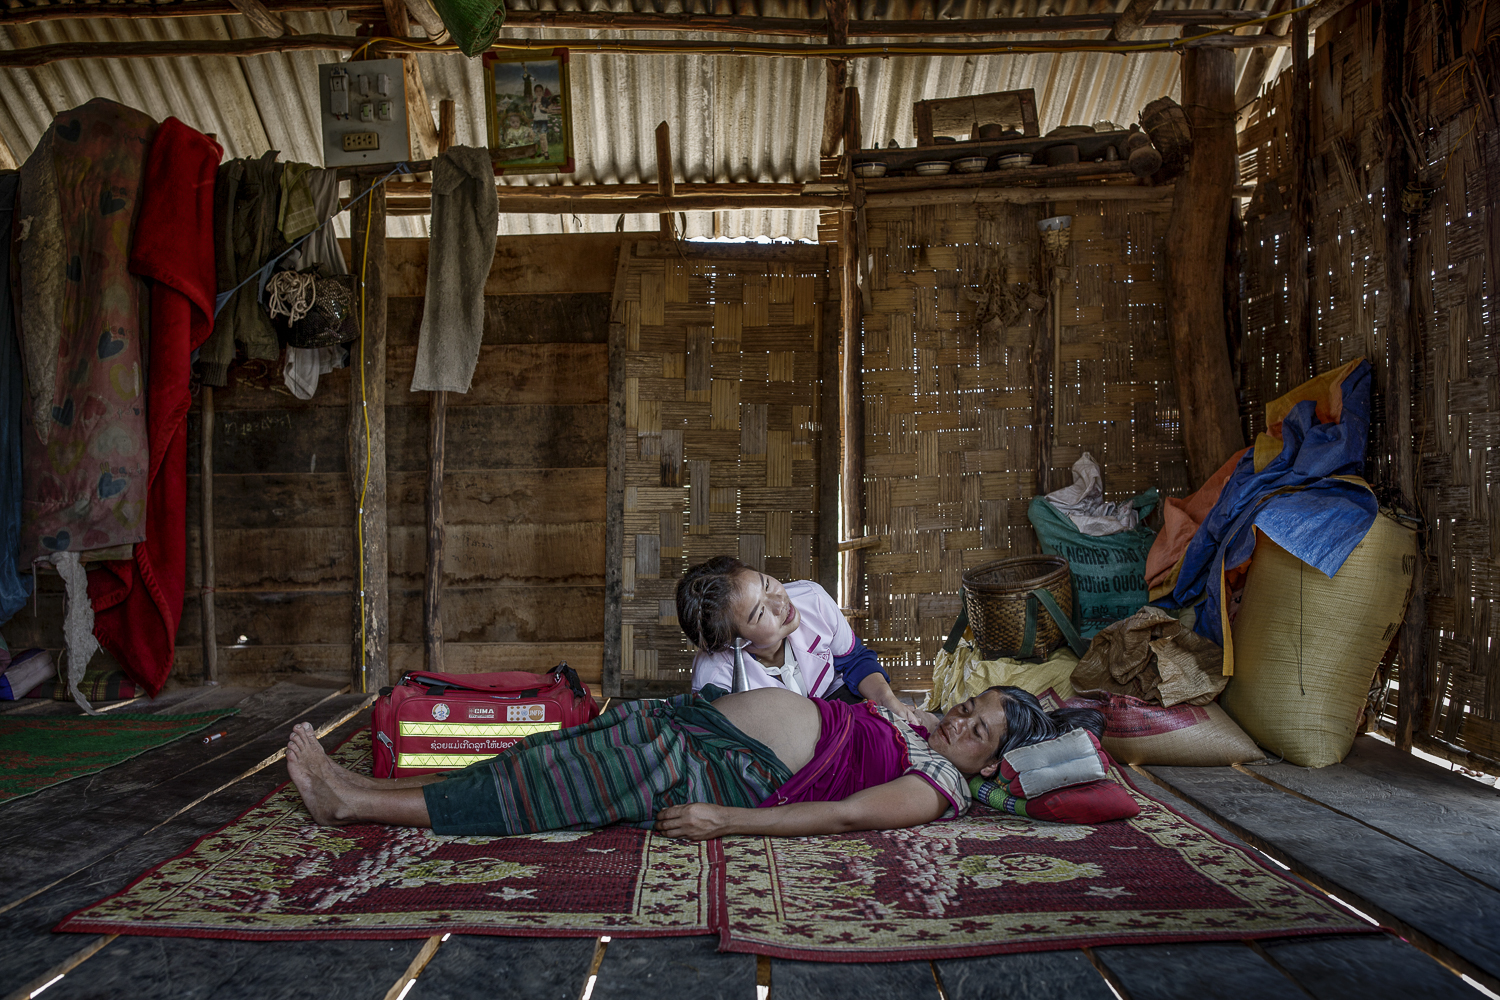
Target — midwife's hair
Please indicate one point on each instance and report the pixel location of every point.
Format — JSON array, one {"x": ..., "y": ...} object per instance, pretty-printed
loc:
[
  {"x": 703, "y": 596},
  {"x": 1027, "y": 722}
]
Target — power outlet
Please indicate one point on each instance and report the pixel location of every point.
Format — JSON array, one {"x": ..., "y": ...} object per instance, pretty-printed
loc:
[{"x": 361, "y": 140}]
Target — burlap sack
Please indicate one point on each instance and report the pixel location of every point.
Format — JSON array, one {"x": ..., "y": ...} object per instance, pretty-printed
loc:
[
  {"x": 1137, "y": 732},
  {"x": 1306, "y": 647}
]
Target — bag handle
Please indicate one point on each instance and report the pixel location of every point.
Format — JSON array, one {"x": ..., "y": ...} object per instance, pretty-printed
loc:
[
  {"x": 570, "y": 676},
  {"x": 1041, "y": 595},
  {"x": 1064, "y": 623},
  {"x": 950, "y": 645}
]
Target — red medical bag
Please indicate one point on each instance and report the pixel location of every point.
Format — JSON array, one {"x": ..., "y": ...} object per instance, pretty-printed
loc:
[{"x": 439, "y": 722}]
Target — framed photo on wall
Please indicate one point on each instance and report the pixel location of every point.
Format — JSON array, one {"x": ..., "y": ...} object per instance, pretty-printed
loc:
[{"x": 529, "y": 111}]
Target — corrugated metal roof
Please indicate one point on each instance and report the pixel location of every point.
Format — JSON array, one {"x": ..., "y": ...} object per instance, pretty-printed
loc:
[{"x": 733, "y": 118}]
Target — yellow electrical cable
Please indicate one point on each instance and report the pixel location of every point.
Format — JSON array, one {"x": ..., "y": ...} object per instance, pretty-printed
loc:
[{"x": 364, "y": 407}]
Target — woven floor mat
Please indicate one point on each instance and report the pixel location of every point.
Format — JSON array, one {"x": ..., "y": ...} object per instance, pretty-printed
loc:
[{"x": 987, "y": 884}]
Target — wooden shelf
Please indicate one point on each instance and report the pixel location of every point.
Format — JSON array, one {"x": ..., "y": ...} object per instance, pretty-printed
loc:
[
  {"x": 1017, "y": 177},
  {"x": 1089, "y": 146}
]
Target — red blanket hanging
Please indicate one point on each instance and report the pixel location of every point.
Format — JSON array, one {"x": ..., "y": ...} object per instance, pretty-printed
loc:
[{"x": 138, "y": 602}]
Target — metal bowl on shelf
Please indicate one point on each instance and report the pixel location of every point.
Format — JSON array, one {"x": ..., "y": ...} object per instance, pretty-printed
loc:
[
  {"x": 971, "y": 164},
  {"x": 932, "y": 168},
  {"x": 1012, "y": 161},
  {"x": 874, "y": 168}
]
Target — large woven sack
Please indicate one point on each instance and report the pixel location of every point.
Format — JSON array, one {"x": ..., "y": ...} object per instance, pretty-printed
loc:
[
  {"x": 1138, "y": 732},
  {"x": 1306, "y": 646}
]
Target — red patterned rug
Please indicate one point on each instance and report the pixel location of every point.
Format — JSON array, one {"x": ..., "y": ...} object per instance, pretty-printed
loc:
[
  {"x": 992, "y": 883},
  {"x": 987, "y": 884}
]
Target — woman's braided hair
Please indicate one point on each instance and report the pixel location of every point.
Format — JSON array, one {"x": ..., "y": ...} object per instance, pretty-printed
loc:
[{"x": 703, "y": 596}]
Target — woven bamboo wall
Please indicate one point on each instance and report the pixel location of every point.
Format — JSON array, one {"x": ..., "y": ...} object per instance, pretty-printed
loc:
[
  {"x": 1455, "y": 270},
  {"x": 1455, "y": 141},
  {"x": 722, "y": 423},
  {"x": 950, "y": 450}
]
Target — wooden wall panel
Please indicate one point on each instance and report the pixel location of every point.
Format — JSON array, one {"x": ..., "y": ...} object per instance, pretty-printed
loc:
[
  {"x": 721, "y": 418},
  {"x": 524, "y": 491},
  {"x": 950, "y": 445}
]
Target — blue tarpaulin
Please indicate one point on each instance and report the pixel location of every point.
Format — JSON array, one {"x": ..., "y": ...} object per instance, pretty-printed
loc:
[{"x": 1297, "y": 499}]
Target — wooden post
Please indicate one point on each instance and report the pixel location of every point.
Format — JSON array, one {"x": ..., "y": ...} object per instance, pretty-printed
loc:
[
  {"x": 852, "y": 388},
  {"x": 838, "y": 78},
  {"x": 1196, "y": 241},
  {"x": 210, "y": 636},
  {"x": 437, "y": 433},
  {"x": 665, "y": 185},
  {"x": 1416, "y": 698},
  {"x": 1043, "y": 361},
  {"x": 367, "y": 443},
  {"x": 614, "y": 488},
  {"x": 1300, "y": 361},
  {"x": 828, "y": 443}
]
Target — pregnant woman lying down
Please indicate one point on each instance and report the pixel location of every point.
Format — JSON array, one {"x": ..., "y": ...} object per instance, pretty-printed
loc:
[{"x": 705, "y": 765}]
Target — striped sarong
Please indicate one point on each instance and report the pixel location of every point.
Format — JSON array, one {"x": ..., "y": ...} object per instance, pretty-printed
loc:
[{"x": 623, "y": 767}]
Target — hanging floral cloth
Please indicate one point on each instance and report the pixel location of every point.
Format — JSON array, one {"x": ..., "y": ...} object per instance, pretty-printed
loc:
[{"x": 85, "y": 448}]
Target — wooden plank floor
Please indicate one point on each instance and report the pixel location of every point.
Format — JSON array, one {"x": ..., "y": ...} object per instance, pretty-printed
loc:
[{"x": 1400, "y": 839}]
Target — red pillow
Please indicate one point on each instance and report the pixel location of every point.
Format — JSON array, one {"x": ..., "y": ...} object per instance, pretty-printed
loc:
[{"x": 1094, "y": 802}]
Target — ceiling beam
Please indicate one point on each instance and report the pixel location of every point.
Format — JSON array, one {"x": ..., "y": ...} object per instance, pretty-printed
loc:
[
  {"x": 268, "y": 24},
  {"x": 42, "y": 55},
  {"x": 603, "y": 20},
  {"x": 1132, "y": 20}
]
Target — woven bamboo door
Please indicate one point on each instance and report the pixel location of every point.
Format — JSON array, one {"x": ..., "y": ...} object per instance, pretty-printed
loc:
[{"x": 720, "y": 354}]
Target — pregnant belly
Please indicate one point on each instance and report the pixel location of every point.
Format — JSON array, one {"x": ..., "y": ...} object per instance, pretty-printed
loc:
[{"x": 787, "y": 723}]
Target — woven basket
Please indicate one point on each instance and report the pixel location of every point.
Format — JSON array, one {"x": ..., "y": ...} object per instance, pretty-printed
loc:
[{"x": 995, "y": 598}]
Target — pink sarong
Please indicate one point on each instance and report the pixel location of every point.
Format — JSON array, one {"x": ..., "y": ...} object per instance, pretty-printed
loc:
[{"x": 857, "y": 749}]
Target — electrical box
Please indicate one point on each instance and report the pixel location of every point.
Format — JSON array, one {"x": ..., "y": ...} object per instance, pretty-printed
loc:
[{"x": 363, "y": 112}]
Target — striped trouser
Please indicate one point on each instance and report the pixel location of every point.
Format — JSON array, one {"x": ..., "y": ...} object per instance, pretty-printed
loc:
[{"x": 622, "y": 767}]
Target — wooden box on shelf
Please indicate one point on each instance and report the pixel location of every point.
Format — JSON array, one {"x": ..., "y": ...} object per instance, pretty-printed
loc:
[{"x": 959, "y": 116}]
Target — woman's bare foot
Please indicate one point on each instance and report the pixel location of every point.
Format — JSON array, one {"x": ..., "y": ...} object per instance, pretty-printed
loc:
[{"x": 325, "y": 787}]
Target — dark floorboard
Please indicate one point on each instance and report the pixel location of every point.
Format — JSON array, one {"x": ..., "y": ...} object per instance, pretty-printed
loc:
[
  {"x": 1038, "y": 975},
  {"x": 677, "y": 968},
  {"x": 1369, "y": 869},
  {"x": 196, "y": 969},
  {"x": 60, "y": 829},
  {"x": 469, "y": 966},
  {"x": 26, "y": 939},
  {"x": 840, "y": 981},
  {"x": 1196, "y": 972},
  {"x": 1371, "y": 967}
]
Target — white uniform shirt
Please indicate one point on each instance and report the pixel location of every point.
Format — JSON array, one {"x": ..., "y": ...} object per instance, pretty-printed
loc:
[{"x": 821, "y": 635}]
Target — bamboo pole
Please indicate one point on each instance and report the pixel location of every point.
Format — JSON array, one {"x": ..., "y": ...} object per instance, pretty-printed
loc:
[
  {"x": 268, "y": 24},
  {"x": 852, "y": 387},
  {"x": 437, "y": 436},
  {"x": 727, "y": 189},
  {"x": 648, "y": 205},
  {"x": 371, "y": 606},
  {"x": 209, "y": 624},
  {"x": 1133, "y": 20},
  {"x": 43, "y": 55},
  {"x": 1018, "y": 196},
  {"x": 627, "y": 22},
  {"x": 664, "y": 179}
]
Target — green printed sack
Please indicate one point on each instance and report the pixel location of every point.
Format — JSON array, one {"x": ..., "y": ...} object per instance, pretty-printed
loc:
[{"x": 1109, "y": 571}]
